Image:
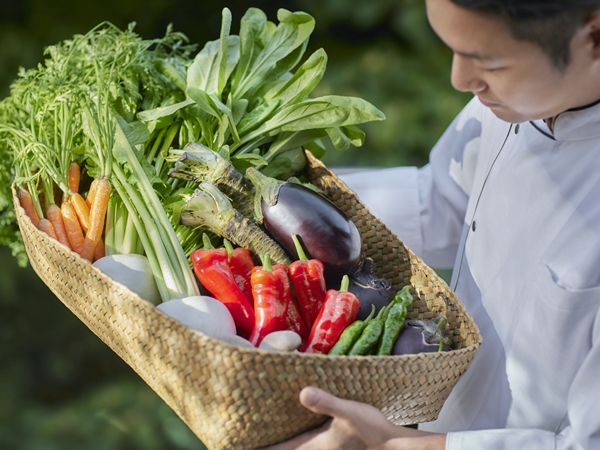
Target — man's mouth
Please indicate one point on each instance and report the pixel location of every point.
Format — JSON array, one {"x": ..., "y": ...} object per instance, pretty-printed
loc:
[{"x": 488, "y": 104}]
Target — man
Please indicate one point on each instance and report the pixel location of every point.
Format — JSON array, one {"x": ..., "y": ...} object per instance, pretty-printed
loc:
[{"x": 511, "y": 200}]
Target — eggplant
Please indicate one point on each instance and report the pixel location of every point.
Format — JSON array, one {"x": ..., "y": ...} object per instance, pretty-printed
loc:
[
  {"x": 327, "y": 234},
  {"x": 422, "y": 336},
  {"x": 370, "y": 289}
]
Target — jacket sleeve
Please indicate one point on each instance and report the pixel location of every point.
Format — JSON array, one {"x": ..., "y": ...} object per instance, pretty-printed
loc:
[
  {"x": 425, "y": 207},
  {"x": 582, "y": 422}
]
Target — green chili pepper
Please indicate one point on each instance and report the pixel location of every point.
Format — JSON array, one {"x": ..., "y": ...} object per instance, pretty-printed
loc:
[
  {"x": 404, "y": 296},
  {"x": 369, "y": 337},
  {"x": 394, "y": 321},
  {"x": 350, "y": 335}
]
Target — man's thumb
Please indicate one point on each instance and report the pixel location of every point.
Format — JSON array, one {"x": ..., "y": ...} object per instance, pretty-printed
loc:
[{"x": 321, "y": 402}]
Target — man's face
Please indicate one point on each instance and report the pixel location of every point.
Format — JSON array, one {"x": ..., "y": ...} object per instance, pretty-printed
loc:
[{"x": 515, "y": 79}]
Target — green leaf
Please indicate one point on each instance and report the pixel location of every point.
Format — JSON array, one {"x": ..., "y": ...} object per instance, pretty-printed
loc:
[
  {"x": 291, "y": 33},
  {"x": 204, "y": 71},
  {"x": 238, "y": 109},
  {"x": 252, "y": 36},
  {"x": 302, "y": 83},
  {"x": 343, "y": 137},
  {"x": 151, "y": 115},
  {"x": 278, "y": 168},
  {"x": 292, "y": 139},
  {"x": 213, "y": 106},
  {"x": 223, "y": 49},
  {"x": 297, "y": 160},
  {"x": 136, "y": 132},
  {"x": 323, "y": 112},
  {"x": 242, "y": 162},
  {"x": 257, "y": 116},
  {"x": 316, "y": 148}
]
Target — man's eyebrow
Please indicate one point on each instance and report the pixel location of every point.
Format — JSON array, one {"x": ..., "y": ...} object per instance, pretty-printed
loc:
[{"x": 477, "y": 56}]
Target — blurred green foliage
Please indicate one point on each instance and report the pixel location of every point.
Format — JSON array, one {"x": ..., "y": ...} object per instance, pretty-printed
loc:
[{"x": 60, "y": 386}]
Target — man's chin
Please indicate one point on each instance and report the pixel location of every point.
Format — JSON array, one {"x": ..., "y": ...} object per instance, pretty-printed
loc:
[{"x": 507, "y": 114}]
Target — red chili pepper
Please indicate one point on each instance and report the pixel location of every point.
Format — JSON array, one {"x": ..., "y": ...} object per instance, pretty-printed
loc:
[
  {"x": 270, "y": 305},
  {"x": 293, "y": 318},
  {"x": 212, "y": 269},
  {"x": 339, "y": 310},
  {"x": 309, "y": 284},
  {"x": 241, "y": 264}
]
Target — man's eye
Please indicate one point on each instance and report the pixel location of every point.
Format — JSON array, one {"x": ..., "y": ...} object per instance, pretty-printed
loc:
[{"x": 491, "y": 69}]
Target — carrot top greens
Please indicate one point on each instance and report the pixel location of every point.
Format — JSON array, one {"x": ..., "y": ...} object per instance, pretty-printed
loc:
[{"x": 122, "y": 107}]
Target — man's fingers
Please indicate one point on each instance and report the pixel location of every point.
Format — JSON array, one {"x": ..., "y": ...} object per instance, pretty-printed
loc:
[{"x": 321, "y": 402}]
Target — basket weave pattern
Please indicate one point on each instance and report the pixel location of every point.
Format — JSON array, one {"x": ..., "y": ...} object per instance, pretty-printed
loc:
[{"x": 234, "y": 398}]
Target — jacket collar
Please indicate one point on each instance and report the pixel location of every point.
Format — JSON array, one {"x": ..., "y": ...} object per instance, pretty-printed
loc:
[{"x": 575, "y": 124}]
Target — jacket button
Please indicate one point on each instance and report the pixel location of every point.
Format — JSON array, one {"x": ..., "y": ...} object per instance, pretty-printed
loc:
[
  {"x": 473, "y": 226},
  {"x": 517, "y": 126}
]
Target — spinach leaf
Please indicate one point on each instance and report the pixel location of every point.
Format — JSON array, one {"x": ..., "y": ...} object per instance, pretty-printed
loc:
[
  {"x": 303, "y": 81},
  {"x": 214, "y": 107},
  {"x": 204, "y": 72},
  {"x": 253, "y": 27},
  {"x": 292, "y": 139},
  {"x": 343, "y": 137},
  {"x": 293, "y": 30},
  {"x": 323, "y": 112}
]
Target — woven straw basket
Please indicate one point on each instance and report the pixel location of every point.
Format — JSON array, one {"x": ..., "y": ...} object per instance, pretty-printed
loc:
[{"x": 234, "y": 398}]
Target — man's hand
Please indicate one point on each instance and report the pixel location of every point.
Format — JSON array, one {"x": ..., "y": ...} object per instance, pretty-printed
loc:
[{"x": 355, "y": 426}]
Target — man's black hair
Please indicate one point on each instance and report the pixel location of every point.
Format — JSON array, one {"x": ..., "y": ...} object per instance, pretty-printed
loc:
[{"x": 549, "y": 23}]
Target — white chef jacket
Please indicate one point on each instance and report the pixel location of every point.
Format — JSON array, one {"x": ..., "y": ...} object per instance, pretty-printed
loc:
[{"x": 515, "y": 210}]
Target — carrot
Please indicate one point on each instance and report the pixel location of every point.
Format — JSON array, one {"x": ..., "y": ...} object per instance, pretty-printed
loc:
[
  {"x": 97, "y": 218},
  {"x": 90, "y": 197},
  {"x": 100, "y": 251},
  {"x": 74, "y": 231},
  {"x": 54, "y": 215},
  {"x": 74, "y": 177},
  {"x": 27, "y": 204},
  {"x": 46, "y": 226},
  {"x": 82, "y": 210}
]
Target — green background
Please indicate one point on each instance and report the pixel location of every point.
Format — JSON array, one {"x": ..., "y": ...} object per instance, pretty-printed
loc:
[{"x": 60, "y": 386}]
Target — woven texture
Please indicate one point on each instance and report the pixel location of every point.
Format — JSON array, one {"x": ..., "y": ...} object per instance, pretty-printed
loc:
[{"x": 234, "y": 398}]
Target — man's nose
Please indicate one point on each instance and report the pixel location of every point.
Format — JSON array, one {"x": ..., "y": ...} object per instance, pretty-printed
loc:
[{"x": 465, "y": 76}]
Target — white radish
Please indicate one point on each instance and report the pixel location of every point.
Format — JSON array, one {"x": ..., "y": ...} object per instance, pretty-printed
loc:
[
  {"x": 205, "y": 314},
  {"x": 132, "y": 271}
]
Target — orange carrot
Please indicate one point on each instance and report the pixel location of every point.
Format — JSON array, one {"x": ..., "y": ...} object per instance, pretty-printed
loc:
[
  {"x": 90, "y": 197},
  {"x": 27, "y": 204},
  {"x": 82, "y": 210},
  {"x": 74, "y": 176},
  {"x": 54, "y": 215},
  {"x": 46, "y": 226},
  {"x": 100, "y": 251},
  {"x": 74, "y": 232},
  {"x": 97, "y": 218}
]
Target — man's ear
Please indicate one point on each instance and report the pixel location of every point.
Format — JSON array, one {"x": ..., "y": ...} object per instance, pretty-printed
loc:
[{"x": 593, "y": 27}]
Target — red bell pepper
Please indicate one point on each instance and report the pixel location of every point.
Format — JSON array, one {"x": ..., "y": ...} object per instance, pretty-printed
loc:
[
  {"x": 211, "y": 266},
  {"x": 309, "y": 284},
  {"x": 339, "y": 310},
  {"x": 241, "y": 264},
  {"x": 270, "y": 305},
  {"x": 293, "y": 318}
]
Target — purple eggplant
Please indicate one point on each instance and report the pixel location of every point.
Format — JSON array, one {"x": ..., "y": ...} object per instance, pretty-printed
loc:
[
  {"x": 422, "y": 336},
  {"x": 370, "y": 289},
  {"x": 327, "y": 234}
]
